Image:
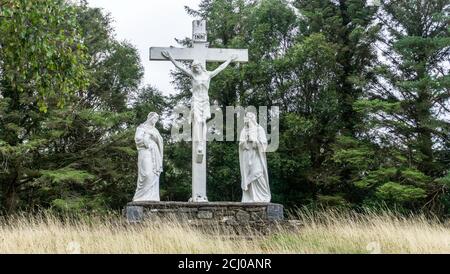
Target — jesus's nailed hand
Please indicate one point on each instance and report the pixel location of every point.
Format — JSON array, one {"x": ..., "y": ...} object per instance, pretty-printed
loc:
[{"x": 165, "y": 54}]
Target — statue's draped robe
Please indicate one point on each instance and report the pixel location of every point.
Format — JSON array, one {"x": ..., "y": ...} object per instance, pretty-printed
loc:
[
  {"x": 149, "y": 144},
  {"x": 253, "y": 164}
]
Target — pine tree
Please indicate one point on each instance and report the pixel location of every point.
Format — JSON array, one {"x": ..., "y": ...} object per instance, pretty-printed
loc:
[
  {"x": 349, "y": 27},
  {"x": 408, "y": 103}
]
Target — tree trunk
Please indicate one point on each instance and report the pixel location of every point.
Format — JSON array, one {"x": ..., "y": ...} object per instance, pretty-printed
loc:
[
  {"x": 11, "y": 194},
  {"x": 346, "y": 98},
  {"x": 424, "y": 134}
]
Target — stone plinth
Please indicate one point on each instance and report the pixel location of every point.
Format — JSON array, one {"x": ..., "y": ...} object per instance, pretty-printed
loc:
[{"x": 222, "y": 213}]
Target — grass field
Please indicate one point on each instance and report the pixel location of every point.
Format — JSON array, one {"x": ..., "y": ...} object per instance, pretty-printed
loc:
[{"x": 322, "y": 232}]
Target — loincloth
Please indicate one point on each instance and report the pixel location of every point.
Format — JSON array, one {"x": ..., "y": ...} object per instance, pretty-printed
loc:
[{"x": 200, "y": 109}]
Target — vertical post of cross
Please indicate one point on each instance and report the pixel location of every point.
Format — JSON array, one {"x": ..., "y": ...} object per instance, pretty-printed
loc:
[
  {"x": 200, "y": 41},
  {"x": 200, "y": 38}
]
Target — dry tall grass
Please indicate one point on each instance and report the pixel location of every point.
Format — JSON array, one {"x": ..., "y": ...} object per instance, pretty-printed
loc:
[{"x": 323, "y": 232}]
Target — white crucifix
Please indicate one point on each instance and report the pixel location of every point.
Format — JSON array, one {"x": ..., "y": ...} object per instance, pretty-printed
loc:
[{"x": 199, "y": 54}]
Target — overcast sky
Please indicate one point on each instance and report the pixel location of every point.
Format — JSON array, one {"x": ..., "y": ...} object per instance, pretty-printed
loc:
[{"x": 147, "y": 23}]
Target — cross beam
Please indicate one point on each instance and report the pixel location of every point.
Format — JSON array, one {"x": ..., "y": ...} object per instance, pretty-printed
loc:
[{"x": 200, "y": 51}]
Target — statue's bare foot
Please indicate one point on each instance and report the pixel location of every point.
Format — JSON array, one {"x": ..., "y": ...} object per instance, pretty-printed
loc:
[{"x": 200, "y": 149}]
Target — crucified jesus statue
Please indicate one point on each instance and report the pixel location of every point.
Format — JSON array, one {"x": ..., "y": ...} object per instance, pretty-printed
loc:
[
  {"x": 200, "y": 108},
  {"x": 199, "y": 54}
]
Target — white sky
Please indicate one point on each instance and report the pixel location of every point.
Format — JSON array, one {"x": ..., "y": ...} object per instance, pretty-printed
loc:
[{"x": 147, "y": 23}]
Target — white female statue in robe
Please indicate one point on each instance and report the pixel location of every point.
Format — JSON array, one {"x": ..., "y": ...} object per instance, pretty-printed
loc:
[
  {"x": 200, "y": 108},
  {"x": 253, "y": 163},
  {"x": 150, "y": 147}
]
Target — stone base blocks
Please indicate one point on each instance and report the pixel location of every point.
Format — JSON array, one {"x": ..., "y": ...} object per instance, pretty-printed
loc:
[{"x": 208, "y": 213}]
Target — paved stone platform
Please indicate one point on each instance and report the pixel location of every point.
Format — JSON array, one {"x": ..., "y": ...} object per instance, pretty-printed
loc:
[{"x": 228, "y": 213}]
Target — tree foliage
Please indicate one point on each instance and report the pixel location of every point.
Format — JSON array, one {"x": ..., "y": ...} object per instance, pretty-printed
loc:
[
  {"x": 41, "y": 50},
  {"x": 363, "y": 92}
]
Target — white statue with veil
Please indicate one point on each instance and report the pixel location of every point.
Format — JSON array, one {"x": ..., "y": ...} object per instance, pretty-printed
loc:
[
  {"x": 149, "y": 144},
  {"x": 253, "y": 163}
]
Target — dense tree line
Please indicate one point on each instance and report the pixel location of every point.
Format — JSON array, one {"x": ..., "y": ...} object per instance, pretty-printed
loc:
[{"x": 362, "y": 86}]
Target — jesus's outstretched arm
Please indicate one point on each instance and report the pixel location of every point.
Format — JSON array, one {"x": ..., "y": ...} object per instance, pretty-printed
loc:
[
  {"x": 223, "y": 66},
  {"x": 167, "y": 55}
]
